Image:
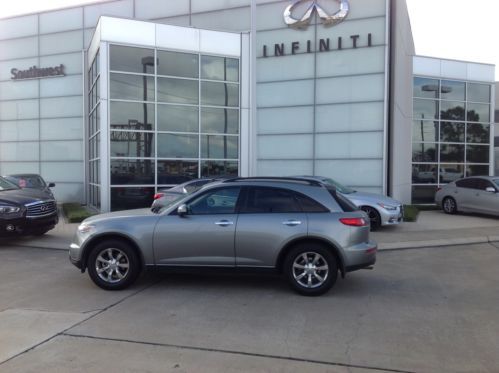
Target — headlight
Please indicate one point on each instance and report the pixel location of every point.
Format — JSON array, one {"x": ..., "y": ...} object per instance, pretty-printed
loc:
[
  {"x": 9, "y": 209},
  {"x": 388, "y": 207},
  {"x": 85, "y": 228}
]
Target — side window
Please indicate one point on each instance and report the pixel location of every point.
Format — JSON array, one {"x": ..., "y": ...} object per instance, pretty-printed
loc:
[
  {"x": 270, "y": 200},
  {"x": 309, "y": 205},
  {"x": 218, "y": 201},
  {"x": 484, "y": 184},
  {"x": 467, "y": 183}
]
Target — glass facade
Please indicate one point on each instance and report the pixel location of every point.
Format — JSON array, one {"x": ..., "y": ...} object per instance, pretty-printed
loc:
[
  {"x": 174, "y": 117},
  {"x": 94, "y": 134},
  {"x": 450, "y": 133}
]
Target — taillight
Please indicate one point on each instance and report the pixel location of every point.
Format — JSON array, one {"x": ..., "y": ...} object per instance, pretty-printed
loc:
[
  {"x": 158, "y": 196},
  {"x": 354, "y": 222}
]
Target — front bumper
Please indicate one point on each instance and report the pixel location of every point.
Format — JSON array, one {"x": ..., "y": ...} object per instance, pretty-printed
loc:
[
  {"x": 24, "y": 225},
  {"x": 392, "y": 217}
]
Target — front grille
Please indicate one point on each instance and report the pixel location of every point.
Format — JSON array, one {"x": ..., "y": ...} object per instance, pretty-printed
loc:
[{"x": 43, "y": 208}]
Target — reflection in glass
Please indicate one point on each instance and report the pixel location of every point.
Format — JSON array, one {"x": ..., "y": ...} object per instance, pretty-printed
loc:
[
  {"x": 451, "y": 153},
  {"x": 178, "y": 91},
  {"x": 425, "y": 109},
  {"x": 219, "y": 68},
  {"x": 131, "y": 116},
  {"x": 132, "y": 144},
  {"x": 219, "y": 168},
  {"x": 130, "y": 59},
  {"x": 478, "y": 112},
  {"x": 423, "y": 194},
  {"x": 178, "y": 146},
  {"x": 477, "y": 153},
  {"x": 219, "y": 94},
  {"x": 478, "y": 92},
  {"x": 185, "y": 65},
  {"x": 220, "y": 120},
  {"x": 178, "y": 118},
  {"x": 131, "y": 198},
  {"x": 131, "y": 87},
  {"x": 452, "y": 90},
  {"x": 424, "y": 87},
  {"x": 424, "y": 173},
  {"x": 452, "y": 110},
  {"x": 219, "y": 147},
  {"x": 478, "y": 133},
  {"x": 451, "y": 132},
  {"x": 477, "y": 170},
  {"x": 132, "y": 171},
  {"x": 450, "y": 172},
  {"x": 177, "y": 172},
  {"x": 424, "y": 152}
]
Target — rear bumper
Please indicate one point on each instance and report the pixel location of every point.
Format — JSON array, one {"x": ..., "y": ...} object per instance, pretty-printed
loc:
[{"x": 360, "y": 256}]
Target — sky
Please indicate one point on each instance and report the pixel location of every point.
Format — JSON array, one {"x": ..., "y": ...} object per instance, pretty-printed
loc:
[{"x": 455, "y": 29}]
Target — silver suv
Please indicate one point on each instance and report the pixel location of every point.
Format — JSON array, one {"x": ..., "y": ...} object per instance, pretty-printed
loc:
[{"x": 301, "y": 228}]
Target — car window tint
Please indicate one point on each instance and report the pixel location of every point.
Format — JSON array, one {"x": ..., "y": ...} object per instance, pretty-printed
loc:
[
  {"x": 483, "y": 184},
  {"x": 309, "y": 205},
  {"x": 270, "y": 200},
  {"x": 467, "y": 183},
  {"x": 218, "y": 201},
  {"x": 345, "y": 204},
  {"x": 496, "y": 181}
]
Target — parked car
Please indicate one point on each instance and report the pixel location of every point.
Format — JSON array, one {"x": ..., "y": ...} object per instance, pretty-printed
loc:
[
  {"x": 166, "y": 196},
  {"x": 471, "y": 194},
  {"x": 382, "y": 210},
  {"x": 25, "y": 211},
  {"x": 31, "y": 181},
  {"x": 301, "y": 228}
]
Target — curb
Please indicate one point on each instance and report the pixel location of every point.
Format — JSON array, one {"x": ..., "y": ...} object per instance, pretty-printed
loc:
[{"x": 436, "y": 243}]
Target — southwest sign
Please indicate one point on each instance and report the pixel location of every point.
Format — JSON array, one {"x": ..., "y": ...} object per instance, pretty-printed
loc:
[{"x": 36, "y": 73}]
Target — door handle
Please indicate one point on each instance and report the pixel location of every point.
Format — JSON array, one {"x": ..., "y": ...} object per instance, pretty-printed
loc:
[
  {"x": 224, "y": 223},
  {"x": 291, "y": 223}
]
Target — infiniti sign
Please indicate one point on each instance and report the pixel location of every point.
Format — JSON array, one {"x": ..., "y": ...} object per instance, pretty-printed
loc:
[{"x": 304, "y": 21}]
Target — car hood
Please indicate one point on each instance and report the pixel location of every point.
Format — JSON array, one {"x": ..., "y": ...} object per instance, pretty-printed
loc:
[
  {"x": 23, "y": 196},
  {"x": 360, "y": 198},
  {"x": 120, "y": 214}
]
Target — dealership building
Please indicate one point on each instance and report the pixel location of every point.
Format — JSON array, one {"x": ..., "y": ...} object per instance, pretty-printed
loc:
[{"x": 116, "y": 99}]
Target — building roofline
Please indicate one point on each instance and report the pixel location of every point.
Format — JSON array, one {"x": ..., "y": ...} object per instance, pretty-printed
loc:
[{"x": 454, "y": 60}]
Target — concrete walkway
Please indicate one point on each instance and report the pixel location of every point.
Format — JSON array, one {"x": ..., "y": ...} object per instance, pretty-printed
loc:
[{"x": 433, "y": 228}]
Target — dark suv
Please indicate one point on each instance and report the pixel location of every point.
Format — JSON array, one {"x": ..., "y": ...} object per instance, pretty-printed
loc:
[{"x": 25, "y": 211}]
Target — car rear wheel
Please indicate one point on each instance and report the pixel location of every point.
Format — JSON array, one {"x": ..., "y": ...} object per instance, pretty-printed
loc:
[
  {"x": 449, "y": 205},
  {"x": 113, "y": 265},
  {"x": 311, "y": 268},
  {"x": 373, "y": 215}
]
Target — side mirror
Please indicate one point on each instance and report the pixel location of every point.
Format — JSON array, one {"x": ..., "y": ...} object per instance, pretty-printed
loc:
[
  {"x": 182, "y": 210},
  {"x": 51, "y": 185},
  {"x": 490, "y": 189}
]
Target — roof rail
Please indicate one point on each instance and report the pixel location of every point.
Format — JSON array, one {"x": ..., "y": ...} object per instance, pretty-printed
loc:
[{"x": 276, "y": 178}]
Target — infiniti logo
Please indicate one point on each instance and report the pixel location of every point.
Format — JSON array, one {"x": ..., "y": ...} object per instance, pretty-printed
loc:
[
  {"x": 327, "y": 20},
  {"x": 44, "y": 208}
]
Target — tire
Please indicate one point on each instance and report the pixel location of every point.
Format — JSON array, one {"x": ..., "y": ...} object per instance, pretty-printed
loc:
[
  {"x": 307, "y": 281},
  {"x": 374, "y": 217},
  {"x": 120, "y": 258},
  {"x": 449, "y": 205}
]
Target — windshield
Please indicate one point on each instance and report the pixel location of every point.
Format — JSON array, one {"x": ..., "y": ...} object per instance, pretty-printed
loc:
[
  {"x": 496, "y": 181},
  {"x": 6, "y": 185},
  {"x": 339, "y": 187},
  {"x": 27, "y": 181}
]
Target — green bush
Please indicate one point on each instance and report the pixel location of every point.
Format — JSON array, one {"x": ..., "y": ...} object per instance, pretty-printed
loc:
[
  {"x": 75, "y": 213},
  {"x": 411, "y": 213}
]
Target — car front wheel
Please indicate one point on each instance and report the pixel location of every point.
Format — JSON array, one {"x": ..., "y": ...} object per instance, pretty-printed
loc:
[
  {"x": 449, "y": 205},
  {"x": 311, "y": 268},
  {"x": 374, "y": 216},
  {"x": 113, "y": 265}
]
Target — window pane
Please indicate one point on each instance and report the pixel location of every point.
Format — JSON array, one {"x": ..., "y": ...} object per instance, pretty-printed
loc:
[
  {"x": 270, "y": 200},
  {"x": 424, "y": 131},
  {"x": 220, "y": 201},
  {"x": 131, "y": 116},
  {"x": 178, "y": 118},
  {"x": 478, "y": 133},
  {"x": 219, "y": 94},
  {"x": 451, "y": 132},
  {"x": 219, "y": 168},
  {"x": 132, "y": 144},
  {"x": 450, "y": 172},
  {"x": 221, "y": 147},
  {"x": 477, "y": 153},
  {"x": 131, "y": 87},
  {"x": 424, "y": 173},
  {"x": 134, "y": 60},
  {"x": 424, "y": 152},
  {"x": 177, "y": 172},
  {"x": 219, "y": 121},
  {"x": 131, "y": 198},
  {"x": 220, "y": 68},
  {"x": 478, "y": 113},
  {"x": 423, "y": 194},
  {"x": 179, "y": 91},
  {"x": 452, "y": 110},
  {"x": 427, "y": 88},
  {"x": 452, "y": 90},
  {"x": 309, "y": 205},
  {"x": 178, "y": 64},
  {"x": 178, "y": 146},
  {"x": 477, "y": 170},
  {"x": 452, "y": 153},
  {"x": 425, "y": 109},
  {"x": 478, "y": 92},
  {"x": 133, "y": 171}
]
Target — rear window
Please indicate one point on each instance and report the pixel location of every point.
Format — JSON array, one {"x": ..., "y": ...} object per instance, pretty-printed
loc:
[{"x": 344, "y": 202}]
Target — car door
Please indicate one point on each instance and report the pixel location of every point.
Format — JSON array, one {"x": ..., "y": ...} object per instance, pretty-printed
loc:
[
  {"x": 202, "y": 237},
  {"x": 483, "y": 201},
  {"x": 268, "y": 218},
  {"x": 464, "y": 192}
]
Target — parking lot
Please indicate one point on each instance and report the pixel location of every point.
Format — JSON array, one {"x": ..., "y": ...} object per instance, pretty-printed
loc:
[{"x": 422, "y": 310}]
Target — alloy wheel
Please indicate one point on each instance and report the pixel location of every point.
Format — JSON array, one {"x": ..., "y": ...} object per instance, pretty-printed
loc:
[
  {"x": 112, "y": 265},
  {"x": 310, "y": 270}
]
